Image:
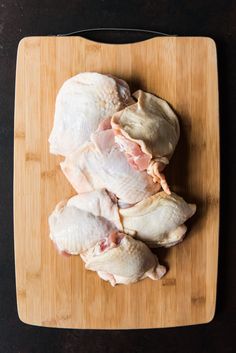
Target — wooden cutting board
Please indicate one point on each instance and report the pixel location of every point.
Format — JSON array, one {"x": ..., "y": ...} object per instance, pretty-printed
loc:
[{"x": 55, "y": 291}]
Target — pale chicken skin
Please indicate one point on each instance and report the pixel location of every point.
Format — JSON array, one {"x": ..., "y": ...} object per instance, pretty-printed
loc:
[
  {"x": 120, "y": 259},
  {"x": 82, "y": 102},
  {"x": 100, "y": 164},
  {"x": 158, "y": 220},
  {"x": 79, "y": 223},
  {"x": 148, "y": 132},
  {"x": 100, "y": 203}
]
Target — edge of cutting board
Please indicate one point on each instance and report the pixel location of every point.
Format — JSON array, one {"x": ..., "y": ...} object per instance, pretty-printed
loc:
[{"x": 212, "y": 313}]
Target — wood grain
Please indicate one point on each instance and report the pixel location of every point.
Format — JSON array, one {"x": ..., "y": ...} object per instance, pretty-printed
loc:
[{"x": 55, "y": 291}]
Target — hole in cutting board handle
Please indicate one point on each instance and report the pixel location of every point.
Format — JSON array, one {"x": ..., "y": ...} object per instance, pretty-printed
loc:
[{"x": 116, "y": 35}]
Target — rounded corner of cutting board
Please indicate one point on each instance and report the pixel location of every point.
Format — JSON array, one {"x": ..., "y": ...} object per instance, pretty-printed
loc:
[
  {"x": 210, "y": 41},
  {"x": 24, "y": 41},
  {"x": 210, "y": 318},
  {"x": 22, "y": 316}
]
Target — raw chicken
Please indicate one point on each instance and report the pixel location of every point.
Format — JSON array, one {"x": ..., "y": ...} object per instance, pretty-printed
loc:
[
  {"x": 78, "y": 224},
  {"x": 115, "y": 152},
  {"x": 159, "y": 219},
  {"x": 122, "y": 259},
  {"x": 100, "y": 164},
  {"x": 148, "y": 132},
  {"x": 82, "y": 102},
  {"x": 100, "y": 203}
]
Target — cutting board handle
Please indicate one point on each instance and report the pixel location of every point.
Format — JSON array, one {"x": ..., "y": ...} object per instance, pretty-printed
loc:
[
  {"x": 117, "y": 30},
  {"x": 113, "y": 29}
]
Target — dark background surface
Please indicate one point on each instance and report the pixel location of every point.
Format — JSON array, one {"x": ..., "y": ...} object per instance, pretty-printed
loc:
[{"x": 216, "y": 19}]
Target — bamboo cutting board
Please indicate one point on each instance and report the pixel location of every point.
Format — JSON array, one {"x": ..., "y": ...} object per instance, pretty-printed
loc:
[{"x": 55, "y": 291}]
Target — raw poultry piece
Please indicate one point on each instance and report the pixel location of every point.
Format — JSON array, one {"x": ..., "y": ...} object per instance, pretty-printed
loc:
[
  {"x": 159, "y": 219},
  {"x": 148, "y": 132},
  {"x": 100, "y": 203},
  {"x": 100, "y": 164},
  {"x": 122, "y": 259},
  {"x": 82, "y": 102},
  {"x": 79, "y": 223}
]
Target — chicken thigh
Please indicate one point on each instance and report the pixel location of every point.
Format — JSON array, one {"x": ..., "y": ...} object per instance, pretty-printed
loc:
[
  {"x": 82, "y": 102},
  {"x": 159, "y": 219},
  {"x": 79, "y": 223},
  {"x": 122, "y": 259},
  {"x": 100, "y": 164},
  {"x": 148, "y": 132}
]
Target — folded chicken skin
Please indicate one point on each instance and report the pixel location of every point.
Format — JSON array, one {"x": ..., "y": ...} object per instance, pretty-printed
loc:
[
  {"x": 122, "y": 259},
  {"x": 158, "y": 220},
  {"x": 148, "y": 132}
]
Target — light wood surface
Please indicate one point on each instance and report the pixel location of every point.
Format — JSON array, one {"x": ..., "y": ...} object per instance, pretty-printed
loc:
[{"x": 56, "y": 291}]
